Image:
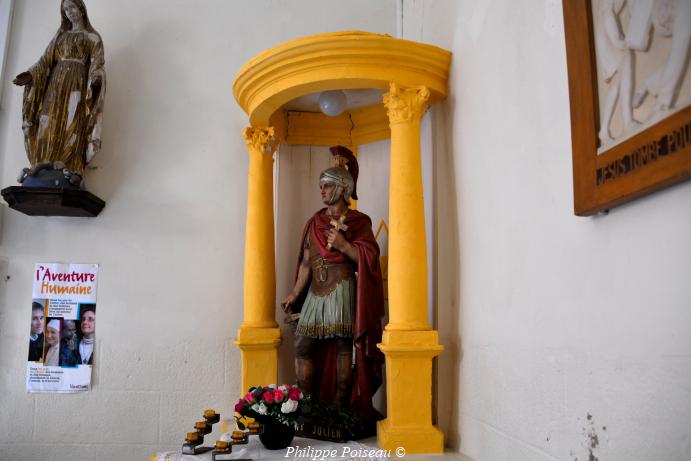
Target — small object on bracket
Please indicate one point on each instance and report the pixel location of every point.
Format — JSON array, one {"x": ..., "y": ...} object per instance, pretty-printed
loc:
[
  {"x": 239, "y": 438},
  {"x": 194, "y": 439},
  {"x": 222, "y": 451},
  {"x": 202, "y": 427},
  {"x": 254, "y": 427},
  {"x": 211, "y": 416},
  {"x": 192, "y": 442},
  {"x": 222, "y": 445}
]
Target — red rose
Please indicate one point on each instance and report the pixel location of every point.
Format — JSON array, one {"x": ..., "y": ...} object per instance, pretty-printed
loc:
[
  {"x": 239, "y": 406},
  {"x": 278, "y": 395},
  {"x": 268, "y": 397},
  {"x": 249, "y": 398},
  {"x": 294, "y": 393}
]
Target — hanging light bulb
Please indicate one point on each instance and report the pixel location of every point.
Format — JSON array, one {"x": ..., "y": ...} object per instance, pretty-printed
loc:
[{"x": 332, "y": 103}]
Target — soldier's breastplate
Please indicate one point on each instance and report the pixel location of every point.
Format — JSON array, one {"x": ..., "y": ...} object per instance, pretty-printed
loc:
[{"x": 326, "y": 275}]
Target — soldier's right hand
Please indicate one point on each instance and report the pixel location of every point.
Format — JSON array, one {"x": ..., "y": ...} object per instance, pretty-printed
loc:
[{"x": 288, "y": 302}]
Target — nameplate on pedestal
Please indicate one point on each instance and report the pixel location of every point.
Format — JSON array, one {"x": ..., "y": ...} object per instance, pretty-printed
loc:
[{"x": 328, "y": 432}]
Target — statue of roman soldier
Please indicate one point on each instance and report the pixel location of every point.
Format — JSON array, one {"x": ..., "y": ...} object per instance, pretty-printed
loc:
[{"x": 339, "y": 294}]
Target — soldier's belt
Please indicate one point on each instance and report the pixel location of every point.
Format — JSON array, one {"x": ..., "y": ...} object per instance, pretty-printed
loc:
[{"x": 326, "y": 276}]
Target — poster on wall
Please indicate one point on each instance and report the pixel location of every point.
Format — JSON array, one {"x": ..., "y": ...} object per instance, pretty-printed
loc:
[{"x": 63, "y": 327}]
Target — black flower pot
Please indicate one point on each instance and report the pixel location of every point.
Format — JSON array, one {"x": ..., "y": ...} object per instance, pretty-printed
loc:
[{"x": 276, "y": 436}]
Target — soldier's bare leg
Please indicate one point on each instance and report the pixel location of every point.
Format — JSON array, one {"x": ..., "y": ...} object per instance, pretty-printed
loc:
[
  {"x": 304, "y": 364},
  {"x": 344, "y": 371}
]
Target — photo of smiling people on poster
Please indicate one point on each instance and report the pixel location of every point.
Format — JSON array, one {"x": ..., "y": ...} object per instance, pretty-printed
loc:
[
  {"x": 52, "y": 354},
  {"x": 36, "y": 337},
  {"x": 85, "y": 350},
  {"x": 63, "y": 327}
]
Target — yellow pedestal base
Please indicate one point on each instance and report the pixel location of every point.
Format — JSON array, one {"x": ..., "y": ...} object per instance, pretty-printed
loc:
[
  {"x": 259, "y": 348},
  {"x": 416, "y": 440},
  {"x": 408, "y": 423}
]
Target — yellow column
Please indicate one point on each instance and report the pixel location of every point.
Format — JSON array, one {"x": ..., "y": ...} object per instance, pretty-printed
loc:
[
  {"x": 409, "y": 343},
  {"x": 259, "y": 336}
]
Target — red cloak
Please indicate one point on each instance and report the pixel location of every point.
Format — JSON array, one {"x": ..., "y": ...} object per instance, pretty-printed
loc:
[{"x": 369, "y": 309}]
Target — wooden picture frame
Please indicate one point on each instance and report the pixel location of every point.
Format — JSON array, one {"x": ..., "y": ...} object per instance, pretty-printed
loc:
[{"x": 654, "y": 158}]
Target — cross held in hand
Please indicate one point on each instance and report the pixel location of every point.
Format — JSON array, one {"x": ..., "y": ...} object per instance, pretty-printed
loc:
[{"x": 338, "y": 225}]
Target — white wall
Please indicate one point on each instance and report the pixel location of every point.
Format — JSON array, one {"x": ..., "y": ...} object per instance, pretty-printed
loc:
[
  {"x": 562, "y": 329},
  {"x": 5, "y": 21},
  {"x": 171, "y": 238}
]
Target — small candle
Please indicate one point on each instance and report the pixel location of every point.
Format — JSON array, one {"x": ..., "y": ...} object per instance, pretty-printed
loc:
[
  {"x": 221, "y": 445},
  {"x": 211, "y": 416}
]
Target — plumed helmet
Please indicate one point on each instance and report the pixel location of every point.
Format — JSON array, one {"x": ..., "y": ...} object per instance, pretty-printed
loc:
[
  {"x": 341, "y": 178},
  {"x": 344, "y": 157}
]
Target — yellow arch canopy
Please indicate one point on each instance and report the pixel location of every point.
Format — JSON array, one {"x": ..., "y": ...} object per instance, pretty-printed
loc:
[{"x": 338, "y": 60}]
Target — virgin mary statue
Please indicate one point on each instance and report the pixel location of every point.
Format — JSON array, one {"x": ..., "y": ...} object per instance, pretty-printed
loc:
[{"x": 63, "y": 102}]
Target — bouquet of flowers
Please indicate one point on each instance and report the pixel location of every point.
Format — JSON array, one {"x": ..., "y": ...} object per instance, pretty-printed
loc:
[{"x": 282, "y": 404}]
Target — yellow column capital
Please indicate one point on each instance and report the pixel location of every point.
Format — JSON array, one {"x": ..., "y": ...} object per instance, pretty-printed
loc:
[
  {"x": 406, "y": 104},
  {"x": 260, "y": 138}
]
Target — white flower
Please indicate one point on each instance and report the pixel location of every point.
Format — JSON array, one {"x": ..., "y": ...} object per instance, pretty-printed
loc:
[
  {"x": 283, "y": 389},
  {"x": 289, "y": 406},
  {"x": 262, "y": 409},
  {"x": 255, "y": 407}
]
